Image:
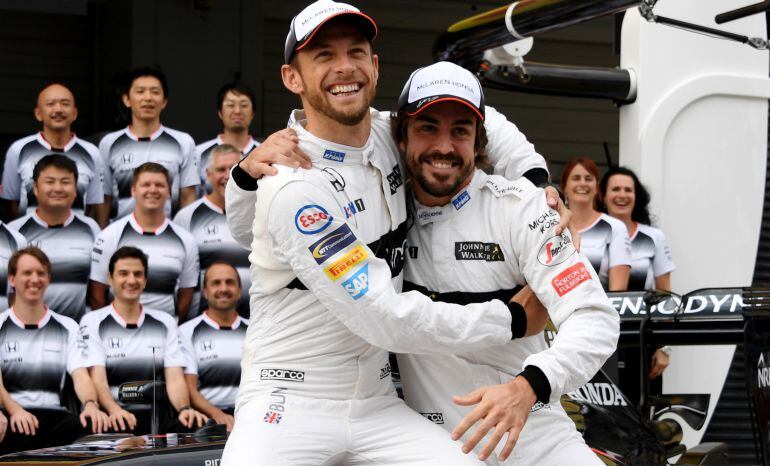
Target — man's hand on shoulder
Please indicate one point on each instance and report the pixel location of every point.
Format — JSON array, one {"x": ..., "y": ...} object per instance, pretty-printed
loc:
[
  {"x": 282, "y": 148},
  {"x": 500, "y": 408},
  {"x": 554, "y": 201}
]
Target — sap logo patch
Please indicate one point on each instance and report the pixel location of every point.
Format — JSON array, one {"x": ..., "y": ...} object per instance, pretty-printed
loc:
[
  {"x": 556, "y": 250},
  {"x": 461, "y": 200},
  {"x": 345, "y": 263},
  {"x": 354, "y": 207},
  {"x": 358, "y": 284},
  {"x": 395, "y": 179},
  {"x": 332, "y": 243},
  {"x": 334, "y": 156},
  {"x": 570, "y": 278},
  {"x": 436, "y": 418},
  {"x": 271, "y": 417},
  {"x": 312, "y": 219},
  {"x": 282, "y": 374}
]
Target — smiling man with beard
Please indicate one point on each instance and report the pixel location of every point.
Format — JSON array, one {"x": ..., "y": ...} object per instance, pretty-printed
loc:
[
  {"x": 327, "y": 251},
  {"x": 213, "y": 343},
  {"x": 477, "y": 236}
]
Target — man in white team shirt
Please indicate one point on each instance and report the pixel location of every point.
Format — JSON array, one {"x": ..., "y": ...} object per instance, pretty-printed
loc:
[
  {"x": 235, "y": 108},
  {"x": 126, "y": 342},
  {"x": 173, "y": 255},
  {"x": 205, "y": 219},
  {"x": 147, "y": 140},
  {"x": 473, "y": 239},
  {"x": 327, "y": 250},
  {"x": 213, "y": 342},
  {"x": 56, "y": 111},
  {"x": 39, "y": 347}
]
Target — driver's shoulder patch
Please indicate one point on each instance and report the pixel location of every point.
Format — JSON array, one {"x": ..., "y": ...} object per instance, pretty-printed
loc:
[{"x": 501, "y": 187}]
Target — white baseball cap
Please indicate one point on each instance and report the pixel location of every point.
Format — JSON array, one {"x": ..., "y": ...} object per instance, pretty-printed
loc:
[
  {"x": 441, "y": 82},
  {"x": 309, "y": 21}
]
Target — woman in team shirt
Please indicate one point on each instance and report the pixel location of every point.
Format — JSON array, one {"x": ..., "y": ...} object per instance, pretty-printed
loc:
[
  {"x": 603, "y": 239},
  {"x": 627, "y": 200}
]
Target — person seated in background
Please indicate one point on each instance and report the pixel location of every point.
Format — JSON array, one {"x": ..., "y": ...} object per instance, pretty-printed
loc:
[
  {"x": 126, "y": 342},
  {"x": 206, "y": 220},
  {"x": 56, "y": 111},
  {"x": 147, "y": 140},
  {"x": 65, "y": 235},
  {"x": 626, "y": 199},
  {"x": 39, "y": 347},
  {"x": 235, "y": 108},
  {"x": 173, "y": 272},
  {"x": 10, "y": 242},
  {"x": 213, "y": 343},
  {"x": 603, "y": 239}
]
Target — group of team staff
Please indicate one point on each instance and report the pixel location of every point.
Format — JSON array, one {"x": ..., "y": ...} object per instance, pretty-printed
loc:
[
  {"x": 151, "y": 171},
  {"x": 63, "y": 191}
]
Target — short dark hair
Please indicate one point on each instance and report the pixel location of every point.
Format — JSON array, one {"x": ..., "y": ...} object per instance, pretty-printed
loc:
[
  {"x": 237, "y": 87},
  {"x": 398, "y": 128},
  {"x": 150, "y": 167},
  {"x": 37, "y": 253},
  {"x": 143, "y": 71},
  {"x": 128, "y": 252},
  {"x": 221, "y": 262},
  {"x": 59, "y": 161},
  {"x": 640, "y": 212}
]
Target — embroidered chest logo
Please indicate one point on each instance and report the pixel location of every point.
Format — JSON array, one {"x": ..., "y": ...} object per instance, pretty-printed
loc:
[
  {"x": 478, "y": 251},
  {"x": 395, "y": 179}
]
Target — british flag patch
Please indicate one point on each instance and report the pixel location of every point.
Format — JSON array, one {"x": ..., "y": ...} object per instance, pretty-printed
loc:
[{"x": 272, "y": 417}]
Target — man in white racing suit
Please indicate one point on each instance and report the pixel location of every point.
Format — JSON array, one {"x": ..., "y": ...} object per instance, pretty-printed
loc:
[
  {"x": 327, "y": 252},
  {"x": 477, "y": 236}
]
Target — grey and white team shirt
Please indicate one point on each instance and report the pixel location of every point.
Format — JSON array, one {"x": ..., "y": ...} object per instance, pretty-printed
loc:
[
  {"x": 131, "y": 351},
  {"x": 208, "y": 224},
  {"x": 23, "y": 155},
  {"x": 214, "y": 354},
  {"x": 36, "y": 357},
  {"x": 493, "y": 236},
  {"x": 172, "y": 259},
  {"x": 68, "y": 246},
  {"x": 605, "y": 243},
  {"x": 650, "y": 257},
  {"x": 204, "y": 152},
  {"x": 122, "y": 151},
  {"x": 10, "y": 242}
]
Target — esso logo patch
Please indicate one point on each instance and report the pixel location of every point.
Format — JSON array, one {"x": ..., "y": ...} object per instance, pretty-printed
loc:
[
  {"x": 312, "y": 219},
  {"x": 556, "y": 250}
]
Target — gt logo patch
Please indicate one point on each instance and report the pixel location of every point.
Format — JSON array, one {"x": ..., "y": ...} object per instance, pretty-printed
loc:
[
  {"x": 570, "y": 278},
  {"x": 312, "y": 219},
  {"x": 358, "y": 284},
  {"x": 332, "y": 243},
  {"x": 342, "y": 265}
]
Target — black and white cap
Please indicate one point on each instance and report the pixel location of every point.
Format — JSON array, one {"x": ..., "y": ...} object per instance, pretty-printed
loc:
[
  {"x": 309, "y": 21},
  {"x": 441, "y": 82}
]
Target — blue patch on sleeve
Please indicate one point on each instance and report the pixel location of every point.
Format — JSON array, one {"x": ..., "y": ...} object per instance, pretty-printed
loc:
[
  {"x": 332, "y": 243},
  {"x": 358, "y": 284}
]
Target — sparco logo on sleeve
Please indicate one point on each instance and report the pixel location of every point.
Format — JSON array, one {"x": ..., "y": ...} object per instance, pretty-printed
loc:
[
  {"x": 478, "y": 251},
  {"x": 570, "y": 278},
  {"x": 556, "y": 250},
  {"x": 282, "y": 374},
  {"x": 436, "y": 418}
]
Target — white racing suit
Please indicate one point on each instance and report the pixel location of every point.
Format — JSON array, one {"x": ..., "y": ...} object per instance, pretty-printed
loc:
[
  {"x": 493, "y": 236},
  {"x": 327, "y": 252}
]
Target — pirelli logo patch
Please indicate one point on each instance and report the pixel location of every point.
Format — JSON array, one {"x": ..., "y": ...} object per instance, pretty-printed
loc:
[
  {"x": 341, "y": 266},
  {"x": 570, "y": 278}
]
